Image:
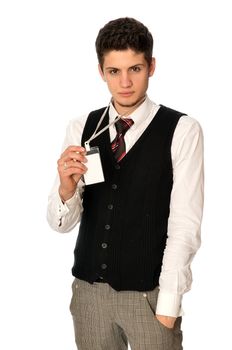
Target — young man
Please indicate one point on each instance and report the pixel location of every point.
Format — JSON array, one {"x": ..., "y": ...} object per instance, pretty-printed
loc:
[{"x": 140, "y": 227}]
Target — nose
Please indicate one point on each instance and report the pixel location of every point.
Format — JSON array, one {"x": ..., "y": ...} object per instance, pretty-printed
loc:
[{"x": 125, "y": 80}]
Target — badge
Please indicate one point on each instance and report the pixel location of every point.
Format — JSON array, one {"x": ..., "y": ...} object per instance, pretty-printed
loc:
[{"x": 94, "y": 173}]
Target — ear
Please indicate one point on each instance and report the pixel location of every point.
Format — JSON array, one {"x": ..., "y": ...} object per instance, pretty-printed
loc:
[
  {"x": 152, "y": 67},
  {"x": 101, "y": 72}
]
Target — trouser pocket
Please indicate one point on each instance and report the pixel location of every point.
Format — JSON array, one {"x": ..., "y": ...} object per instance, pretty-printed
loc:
[
  {"x": 151, "y": 300},
  {"x": 73, "y": 303}
]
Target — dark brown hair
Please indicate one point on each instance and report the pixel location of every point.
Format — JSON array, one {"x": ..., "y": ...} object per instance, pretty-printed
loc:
[{"x": 121, "y": 34}]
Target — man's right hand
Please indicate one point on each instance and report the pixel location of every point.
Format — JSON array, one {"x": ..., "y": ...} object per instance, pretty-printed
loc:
[{"x": 71, "y": 167}]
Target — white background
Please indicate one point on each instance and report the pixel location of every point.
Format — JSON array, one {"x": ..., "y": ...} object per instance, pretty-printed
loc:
[{"x": 48, "y": 75}]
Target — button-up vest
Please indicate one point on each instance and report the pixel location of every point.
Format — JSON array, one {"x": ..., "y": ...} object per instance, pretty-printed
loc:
[{"x": 123, "y": 230}]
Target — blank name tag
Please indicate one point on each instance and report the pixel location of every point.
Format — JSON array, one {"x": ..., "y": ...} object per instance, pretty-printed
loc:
[{"x": 94, "y": 173}]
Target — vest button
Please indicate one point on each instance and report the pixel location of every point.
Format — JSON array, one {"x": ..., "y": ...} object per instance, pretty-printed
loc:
[
  {"x": 107, "y": 227},
  {"x": 104, "y": 245},
  {"x": 99, "y": 279},
  {"x": 110, "y": 206},
  {"x": 114, "y": 186},
  {"x": 117, "y": 167},
  {"x": 103, "y": 266}
]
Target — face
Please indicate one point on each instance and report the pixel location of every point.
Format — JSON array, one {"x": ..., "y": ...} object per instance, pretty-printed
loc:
[{"x": 126, "y": 74}]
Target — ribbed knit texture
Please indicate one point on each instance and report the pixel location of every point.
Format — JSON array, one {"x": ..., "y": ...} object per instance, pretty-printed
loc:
[{"x": 123, "y": 230}]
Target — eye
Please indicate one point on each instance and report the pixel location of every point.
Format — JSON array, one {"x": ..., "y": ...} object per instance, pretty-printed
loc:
[
  {"x": 136, "y": 69},
  {"x": 113, "y": 71}
]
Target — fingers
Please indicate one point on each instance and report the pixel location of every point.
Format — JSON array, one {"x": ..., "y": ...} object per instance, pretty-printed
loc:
[
  {"x": 167, "y": 321},
  {"x": 70, "y": 167},
  {"x": 71, "y": 160},
  {"x": 73, "y": 149},
  {"x": 73, "y": 156}
]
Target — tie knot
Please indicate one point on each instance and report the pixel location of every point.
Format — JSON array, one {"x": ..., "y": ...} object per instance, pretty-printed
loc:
[{"x": 123, "y": 124}]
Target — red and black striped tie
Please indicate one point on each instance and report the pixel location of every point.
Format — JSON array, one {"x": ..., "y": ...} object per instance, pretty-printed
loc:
[{"x": 118, "y": 144}]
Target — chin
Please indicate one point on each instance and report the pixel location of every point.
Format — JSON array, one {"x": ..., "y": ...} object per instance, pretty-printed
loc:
[{"x": 128, "y": 102}]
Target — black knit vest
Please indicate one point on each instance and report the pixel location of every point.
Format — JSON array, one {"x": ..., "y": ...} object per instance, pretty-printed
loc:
[{"x": 123, "y": 229}]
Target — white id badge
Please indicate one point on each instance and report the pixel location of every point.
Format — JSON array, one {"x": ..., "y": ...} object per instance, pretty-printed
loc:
[{"x": 94, "y": 173}]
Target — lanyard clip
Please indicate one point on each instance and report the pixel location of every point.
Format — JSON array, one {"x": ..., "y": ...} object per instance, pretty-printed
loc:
[{"x": 87, "y": 146}]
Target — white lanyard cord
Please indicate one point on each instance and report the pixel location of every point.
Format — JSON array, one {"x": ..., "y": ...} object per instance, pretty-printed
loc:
[{"x": 96, "y": 134}]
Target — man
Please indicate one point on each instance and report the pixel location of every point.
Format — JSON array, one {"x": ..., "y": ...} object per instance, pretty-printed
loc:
[{"x": 140, "y": 227}]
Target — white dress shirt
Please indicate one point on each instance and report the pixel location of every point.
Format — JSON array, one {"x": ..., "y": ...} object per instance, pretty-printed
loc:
[{"x": 186, "y": 204}]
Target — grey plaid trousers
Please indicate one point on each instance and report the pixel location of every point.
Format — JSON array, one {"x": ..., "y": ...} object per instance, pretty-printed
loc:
[{"x": 105, "y": 319}]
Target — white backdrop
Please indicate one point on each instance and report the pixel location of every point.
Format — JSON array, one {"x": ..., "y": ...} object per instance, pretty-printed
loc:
[{"x": 48, "y": 75}]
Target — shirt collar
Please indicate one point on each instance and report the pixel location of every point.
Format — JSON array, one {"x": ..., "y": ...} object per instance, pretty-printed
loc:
[{"x": 138, "y": 116}]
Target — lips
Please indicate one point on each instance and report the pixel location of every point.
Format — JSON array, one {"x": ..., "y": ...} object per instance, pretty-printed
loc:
[{"x": 126, "y": 94}]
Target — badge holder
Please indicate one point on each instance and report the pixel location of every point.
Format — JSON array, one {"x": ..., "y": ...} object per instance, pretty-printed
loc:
[{"x": 94, "y": 173}]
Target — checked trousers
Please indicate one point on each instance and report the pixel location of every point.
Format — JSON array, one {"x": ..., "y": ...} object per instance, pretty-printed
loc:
[{"x": 105, "y": 319}]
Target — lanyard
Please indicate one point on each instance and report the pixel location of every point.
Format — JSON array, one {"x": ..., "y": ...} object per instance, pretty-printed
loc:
[{"x": 96, "y": 134}]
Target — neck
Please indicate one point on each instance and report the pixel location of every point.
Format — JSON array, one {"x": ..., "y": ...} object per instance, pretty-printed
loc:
[{"x": 129, "y": 109}]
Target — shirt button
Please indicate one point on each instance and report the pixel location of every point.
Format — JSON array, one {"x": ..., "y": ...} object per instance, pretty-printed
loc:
[
  {"x": 104, "y": 245},
  {"x": 107, "y": 227},
  {"x": 110, "y": 206},
  {"x": 103, "y": 266},
  {"x": 114, "y": 186},
  {"x": 145, "y": 295}
]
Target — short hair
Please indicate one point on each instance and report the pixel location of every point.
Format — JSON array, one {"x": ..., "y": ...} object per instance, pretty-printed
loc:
[{"x": 121, "y": 34}]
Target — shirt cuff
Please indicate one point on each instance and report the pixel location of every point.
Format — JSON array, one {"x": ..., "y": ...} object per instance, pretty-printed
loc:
[
  {"x": 65, "y": 207},
  {"x": 169, "y": 304},
  {"x": 71, "y": 202}
]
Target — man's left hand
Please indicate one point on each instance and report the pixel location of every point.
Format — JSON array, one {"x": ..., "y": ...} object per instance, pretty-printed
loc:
[{"x": 167, "y": 321}]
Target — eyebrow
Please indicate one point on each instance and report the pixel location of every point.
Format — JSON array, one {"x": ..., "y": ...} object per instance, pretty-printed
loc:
[{"x": 134, "y": 65}]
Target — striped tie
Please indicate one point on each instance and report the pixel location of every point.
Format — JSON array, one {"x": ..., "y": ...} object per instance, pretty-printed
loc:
[{"x": 118, "y": 145}]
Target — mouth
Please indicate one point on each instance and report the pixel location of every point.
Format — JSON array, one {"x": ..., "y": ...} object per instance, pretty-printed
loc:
[{"x": 126, "y": 94}]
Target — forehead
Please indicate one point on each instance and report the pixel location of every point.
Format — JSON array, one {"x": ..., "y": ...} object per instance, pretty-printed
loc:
[{"x": 123, "y": 58}]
